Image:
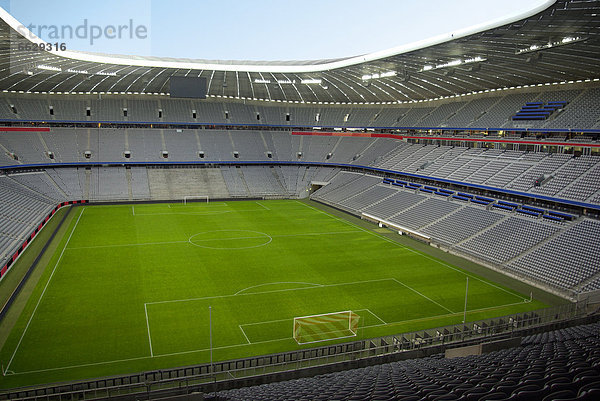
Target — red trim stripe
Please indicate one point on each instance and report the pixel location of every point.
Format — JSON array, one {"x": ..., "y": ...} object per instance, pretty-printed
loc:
[
  {"x": 24, "y": 129},
  {"x": 592, "y": 145},
  {"x": 351, "y": 134},
  {"x": 442, "y": 138}
]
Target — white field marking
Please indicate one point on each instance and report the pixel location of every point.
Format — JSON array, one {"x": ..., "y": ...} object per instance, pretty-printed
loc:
[
  {"x": 292, "y": 318},
  {"x": 261, "y": 235},
  {"x": 272, "y": 236},
  {"x": 216, "y": 239},
  {"x": 231, "y": 239},
  {"x": 211, "y": 212},
  {"x": 446, "y": 315},
  {"x": 44, "y": 290},
  {"x": 133, "y": 209},
  {"x": 323, "y": 314},
  {"x": 309, "y": 234},
  {"x": 268, "y": 292},
  {"x": 206, "y": 213},
  {"x": 423, "y": 295},
  {"x": 244, "y": 333},
  {"x": 148, "y": 327},
  {"x": 203, "y": 204},
  {"x": 242, "y": 345},
  {"x": 377, "y": 317},
  {"x": 413, "y": 251},
  {"x": 84, "y": 365},
  {"x": 223, "y": 347},
  {"x": 260, "y": 204},
  {"x": 277, "y": 282},
  {"x": 121, "y": 245},
  {"x": 203, "y": 213}
]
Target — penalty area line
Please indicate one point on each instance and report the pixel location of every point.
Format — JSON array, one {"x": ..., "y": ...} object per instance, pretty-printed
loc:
[
  {"x": 148, "y": 326},
  {"x": 291, "y": 339},
  {"x": 291, "y": 319},
  {"x": 377, "y": 317},
  {"x": 260, "y": 204},
  {"x": 269, "y": 292},
  {"x": 126, "y": 245},
  {"x": 244, "y": 333}
]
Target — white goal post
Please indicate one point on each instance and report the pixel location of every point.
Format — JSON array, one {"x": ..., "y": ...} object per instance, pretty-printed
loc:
[
  {"x": 189, "y": 198},
  {"x": 325, "y": 327}
]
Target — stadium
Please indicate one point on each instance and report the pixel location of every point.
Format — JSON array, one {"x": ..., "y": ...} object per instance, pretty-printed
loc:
[{"x": 415, "y": 223}]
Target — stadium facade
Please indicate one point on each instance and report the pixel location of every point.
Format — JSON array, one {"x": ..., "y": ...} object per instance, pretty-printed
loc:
[{"x": 460, "y": 142}]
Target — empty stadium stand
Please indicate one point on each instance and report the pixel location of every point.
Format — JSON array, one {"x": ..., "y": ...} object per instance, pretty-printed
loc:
[
  {"x": 560, "y": 364},
  {"x": 571, "y": 109},
  {"x": 496, "y": 160},
  {"x": 556, "y": 252},
  {"x": 486, "y": 226}
]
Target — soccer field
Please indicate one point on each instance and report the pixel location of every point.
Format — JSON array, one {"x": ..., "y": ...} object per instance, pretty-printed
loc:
[{"x": 129, "y": 287}]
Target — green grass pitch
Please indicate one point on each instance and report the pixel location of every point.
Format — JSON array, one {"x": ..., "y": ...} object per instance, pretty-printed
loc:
[{"x": 129, "y": 287}]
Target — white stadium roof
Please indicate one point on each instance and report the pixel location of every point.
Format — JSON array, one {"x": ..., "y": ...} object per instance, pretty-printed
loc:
[{"x": 555, "y": 42}]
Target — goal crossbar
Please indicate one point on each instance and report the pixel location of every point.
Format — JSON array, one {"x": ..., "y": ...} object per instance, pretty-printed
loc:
[
  {"x": 189, "y": 198},
  {"x": 325, "y": 327}
]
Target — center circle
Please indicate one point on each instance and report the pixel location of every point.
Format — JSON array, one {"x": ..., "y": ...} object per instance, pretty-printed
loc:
[{"x": 230, "y": 239}]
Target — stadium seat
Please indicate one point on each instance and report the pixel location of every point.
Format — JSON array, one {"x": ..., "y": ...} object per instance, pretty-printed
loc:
[
  {"x": 564, "y": 395},
  {"x": 592, "y": 394}
]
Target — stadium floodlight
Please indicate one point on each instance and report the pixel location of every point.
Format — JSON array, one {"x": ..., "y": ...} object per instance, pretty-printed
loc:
[
  {"x": 385, "y": 74},
  {"x": 542, "y": 46},
  {"x": 454, "y": 63},
  {"x": 325, "y": 327},
  {"x": 48, "y": 68}
]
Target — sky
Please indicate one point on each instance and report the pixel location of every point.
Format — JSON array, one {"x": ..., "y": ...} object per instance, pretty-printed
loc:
[{"x": 251, "y": 30}]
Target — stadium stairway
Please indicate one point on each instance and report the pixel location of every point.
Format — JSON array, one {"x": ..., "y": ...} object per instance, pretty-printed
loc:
[
  {"x": 243, "y": 180},
  {"x": 407, "y": 209},
  {"x": 564, "y": 226},
  {"x": 56, "y": 186},
  {"x": 129, "y": 189},
  {"x": 442, "y": 218},
  {"x": 380, "y": 200},
  {"x": 482, "y": 231},
  {"x": 86, "y": 185},
  {"x": 157, "y": 180},
  {"x": 584, "y": 283},
  {"x": 281, "y": 184}
]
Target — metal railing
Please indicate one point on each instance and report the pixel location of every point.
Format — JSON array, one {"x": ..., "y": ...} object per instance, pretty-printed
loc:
[{"x": 286, "y": 365}]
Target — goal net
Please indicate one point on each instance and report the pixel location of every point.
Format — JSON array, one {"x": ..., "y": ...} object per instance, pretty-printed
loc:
[
  {"x": 324, "y": 327},
  {"x": 195, "y": 198}
]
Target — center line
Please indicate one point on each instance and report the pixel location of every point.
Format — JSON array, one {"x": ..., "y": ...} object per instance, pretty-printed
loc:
[{"x": 212, "y": 239}]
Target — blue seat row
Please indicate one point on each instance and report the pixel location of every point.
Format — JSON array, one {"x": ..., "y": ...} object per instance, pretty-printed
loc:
[
  {"x": 538, "y": 110},
  {"x": 524, "y": 211},
  {"x": 482, "y": 200}
]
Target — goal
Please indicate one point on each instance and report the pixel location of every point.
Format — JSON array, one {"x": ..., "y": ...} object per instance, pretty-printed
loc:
[
  {"x": 197, "y": 198},
  {"x": 326, "y": 326}
]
